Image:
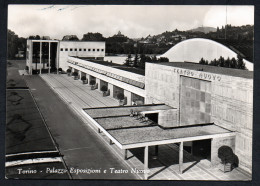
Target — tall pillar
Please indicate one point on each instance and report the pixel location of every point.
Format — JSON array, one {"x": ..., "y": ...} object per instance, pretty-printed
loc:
[
  {"x": 125, "y": 153},
  {"x": 57, "y": 57},
  {"x": 30, "y": 57},
  {"x": 49, "y": 62},
  {"x": 98, "y": 82},
  {"x": 128, "y": 95},
  {"x": 146, "y": 162},
  {"x": 88, "y": 78},
  {"x": 181, "y": 157},
  {"x": 40, "y": 57},
  {"x": 111, "y": 88}
]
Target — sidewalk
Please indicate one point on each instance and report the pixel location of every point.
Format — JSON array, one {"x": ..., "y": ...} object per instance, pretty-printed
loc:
[{"x": 166, "y": 167}]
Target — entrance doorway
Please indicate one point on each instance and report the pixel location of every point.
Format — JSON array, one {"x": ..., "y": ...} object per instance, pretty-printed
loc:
[
  {"x": 153, "y": 117},
  {"x": 201, "y": 149}
]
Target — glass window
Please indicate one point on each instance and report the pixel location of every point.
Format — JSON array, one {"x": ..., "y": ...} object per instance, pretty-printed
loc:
[
  {"x": 61, "y": 49},
  {"x": 70, "y": 49},
  {"x": 85, "y": 49},
  {"x": 93, "y": 49},
  {"x": 66, "y": 49},
  {"x": 88, "y": 49},
  {"x": 97, "y": 49},
  {"x": 75, "y": 49},
  {"x": 80, "y": 49},
  {"x": 102, "y": 49}
]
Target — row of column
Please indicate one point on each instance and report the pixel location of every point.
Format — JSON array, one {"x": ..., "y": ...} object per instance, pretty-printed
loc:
[
  {"x": 110, "y": 87},
  {"x": 156, "y": 151}
]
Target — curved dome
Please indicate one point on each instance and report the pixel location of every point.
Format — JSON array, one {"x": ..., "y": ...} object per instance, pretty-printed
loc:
[{"x": 192, "y": 50}]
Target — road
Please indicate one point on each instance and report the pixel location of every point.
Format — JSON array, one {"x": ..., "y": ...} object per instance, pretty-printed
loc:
[{"x": 82, "y": 150}]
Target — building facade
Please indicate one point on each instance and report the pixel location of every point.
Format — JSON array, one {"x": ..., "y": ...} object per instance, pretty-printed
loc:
[
  {"x": 49, "y": 55},
  {"x": 222, "y": 98},
  {"x": 198, "y": 94}
]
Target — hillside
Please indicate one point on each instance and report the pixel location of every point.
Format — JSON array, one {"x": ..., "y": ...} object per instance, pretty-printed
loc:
[{"x": 203, "y": 29}]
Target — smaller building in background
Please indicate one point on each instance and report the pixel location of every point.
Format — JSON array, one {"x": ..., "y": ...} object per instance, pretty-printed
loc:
[{"x": 45, "y": 56}]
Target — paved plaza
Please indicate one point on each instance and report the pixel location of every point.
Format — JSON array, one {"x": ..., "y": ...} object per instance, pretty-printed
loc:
[{"x": 165, "y": 167}]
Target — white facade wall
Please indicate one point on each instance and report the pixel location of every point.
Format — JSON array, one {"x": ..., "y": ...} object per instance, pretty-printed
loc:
[
  {"x": 83, "y": 45},
  {"x": 231, "y": 101},
  {"x": 192, "y": 50}
]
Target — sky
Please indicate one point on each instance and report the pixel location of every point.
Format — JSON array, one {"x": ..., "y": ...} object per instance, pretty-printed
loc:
[{"x": 134, "y": 21}]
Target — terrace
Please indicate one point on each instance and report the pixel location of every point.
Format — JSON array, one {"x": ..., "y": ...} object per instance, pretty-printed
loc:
[
  {"x": 114, "y": 65},
  {"x": 129, "y": 131}
]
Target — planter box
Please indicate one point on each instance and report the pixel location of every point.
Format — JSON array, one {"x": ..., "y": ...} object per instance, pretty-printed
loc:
[
  {"x": 226, "y": 167},
  {"x": 121, "y": 102}
]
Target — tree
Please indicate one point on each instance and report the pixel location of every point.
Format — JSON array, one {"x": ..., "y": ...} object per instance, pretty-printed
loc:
[
  {"x": 93, "y": 37},
  {"x": 163, "y": 59},
  {"x": 226, "y": 154},
  {"x": 136, "y": 60},
  {"x": 120, "y": 96},
  {"x": 233, "y": 63},
  {"x": 70, "y": 38},
  {"x": 202, "y": 61},
  {"x": 227, "y": 63},
  {"x": 68, "y": 70},
  {"x": 37, "y": 37},
  {"x": 128, "y": 60},
  {"x": 240, "y": 62},
  {"x": 221, "y": 61},
  {"x": 83, "y": 79},
  {"x": 141, "y": 63},
  {"x": 92, "y": 82},
  {"x": 103, "y": 88}
]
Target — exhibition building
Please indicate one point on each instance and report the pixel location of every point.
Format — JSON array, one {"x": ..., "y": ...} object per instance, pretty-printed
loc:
[{"x": 199, "y": 107}]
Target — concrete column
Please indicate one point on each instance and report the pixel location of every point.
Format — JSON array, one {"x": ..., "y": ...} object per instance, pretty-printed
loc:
[
  {"x": 40, "y": 57},
  {"x": 125, "y": 154},
  {"x": 181, "y": 157},
  {"x": 49, "y": 62},
  {"x": 111, "y": 88},
  {"x": 98, "y": 82},
  {"x": 57, "y": 57},
  {"x": 30, "y": 57},
  {"x": 88, "y": 78},
  {"x": 146, "y": 162},
  {"x": 129, "y": 97}
]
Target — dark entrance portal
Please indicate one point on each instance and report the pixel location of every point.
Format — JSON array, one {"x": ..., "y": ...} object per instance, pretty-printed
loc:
[
  {"x": 202, "y": 149},
  {"x": 153, "y": 117},
  {"x": 53, "y": 56}
]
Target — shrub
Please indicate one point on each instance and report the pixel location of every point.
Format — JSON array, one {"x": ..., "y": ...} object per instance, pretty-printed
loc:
[
  {"x": 83, "y": 78},
  {"x": 120, "y": 96},
  {"x": 104, "y": 88},
  {"x": 75, "y": 74},
  {"x": 69, "y": 71},
  {"x": 92, "y": 82},
  {"x": 60, "y": 69},
  {"x": 226, "y": 154}
]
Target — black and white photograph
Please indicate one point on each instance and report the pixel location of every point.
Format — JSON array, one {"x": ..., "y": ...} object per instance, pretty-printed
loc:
[{"x": 129, "y": 92}]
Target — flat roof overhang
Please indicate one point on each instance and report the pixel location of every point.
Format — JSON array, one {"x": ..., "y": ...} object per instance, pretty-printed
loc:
[{"x": 127, "y": 138}]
